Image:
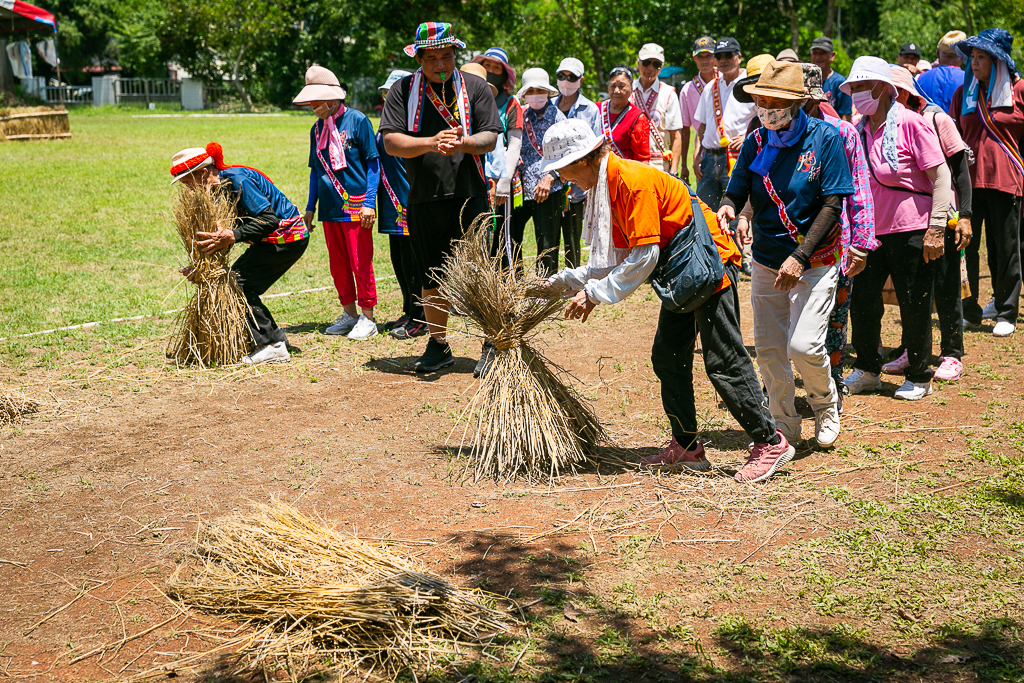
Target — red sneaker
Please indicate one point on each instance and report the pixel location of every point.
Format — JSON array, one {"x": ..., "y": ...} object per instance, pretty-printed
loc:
[
  {"x": 674, "y": 455},
  {"x": 765, "y": 460}
]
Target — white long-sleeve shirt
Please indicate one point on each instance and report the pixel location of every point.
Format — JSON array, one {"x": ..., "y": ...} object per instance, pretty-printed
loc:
[{"x": 612, "y": 284}]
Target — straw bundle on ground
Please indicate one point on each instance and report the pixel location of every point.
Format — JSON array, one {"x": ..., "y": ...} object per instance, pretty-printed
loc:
[
  {"x": 525, "y": 420},
  {"x": 316, "y": 595},
  {"x": 34, "y": 123},
  {"x": 212, "y": 328},
  {"x": 13, "y": 407}
]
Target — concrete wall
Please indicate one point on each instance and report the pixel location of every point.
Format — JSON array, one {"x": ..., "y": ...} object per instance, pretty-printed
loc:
[{"x": 192, "y": 94}]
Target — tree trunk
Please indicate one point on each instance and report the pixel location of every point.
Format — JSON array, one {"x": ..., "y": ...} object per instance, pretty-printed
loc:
[
  {"x": 585, "y": 31},
  {"x": 830, "y": 18},
  {"x": 6, "y": 75},
  {"x": 246, "y": 98},
  {"x": 966, "y": 4},
  {"x": 787, "y": 10}
]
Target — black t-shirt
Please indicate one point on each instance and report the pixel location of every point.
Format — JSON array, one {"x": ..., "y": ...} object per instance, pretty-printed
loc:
[{"x": 434, "y": 176}]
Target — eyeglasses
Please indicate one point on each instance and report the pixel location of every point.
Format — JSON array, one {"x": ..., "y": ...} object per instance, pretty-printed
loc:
[
  {"x": 721, "y": 56},
  {"x": 651, "y": 62},
  {"x": 563, "y": 76}
]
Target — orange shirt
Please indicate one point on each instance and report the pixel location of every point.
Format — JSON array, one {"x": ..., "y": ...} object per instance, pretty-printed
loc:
[{"x": 649, "y": 207}]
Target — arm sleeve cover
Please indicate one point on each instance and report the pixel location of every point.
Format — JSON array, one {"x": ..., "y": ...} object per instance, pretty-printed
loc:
[
  {"x": 962, "y": 180},
  {"x": 940, "y": 198},
  {"x": 822, "y": 226},
  {"x": 372, "y": 182}
]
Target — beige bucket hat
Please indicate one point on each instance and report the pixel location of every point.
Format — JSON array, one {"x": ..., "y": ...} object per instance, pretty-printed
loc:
[{"x": 321, "y": 86}]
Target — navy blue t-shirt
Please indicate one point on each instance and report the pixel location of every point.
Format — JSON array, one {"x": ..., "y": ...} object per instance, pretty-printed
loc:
[
  {"x": 802, "y": 175},
  {"x": 840, "y": 101},
  {"x": 360, "y": 148},
  {"x": 393, "y": 169},
  {"x": 256, "y": 193}
]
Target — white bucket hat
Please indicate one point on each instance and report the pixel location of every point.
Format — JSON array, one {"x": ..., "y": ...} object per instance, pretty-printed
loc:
[
  {"x": 567, "y": 142},
  {"x": 537, "y": 78},
  {"x": 869, "y": 69}
]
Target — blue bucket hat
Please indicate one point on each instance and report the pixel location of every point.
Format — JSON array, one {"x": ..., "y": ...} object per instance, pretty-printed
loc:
[
  {"x": 499, "y": 55},
  {"x": 996, "y": 41}
]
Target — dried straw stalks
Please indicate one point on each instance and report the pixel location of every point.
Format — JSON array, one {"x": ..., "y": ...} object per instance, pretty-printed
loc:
[
  {"x": 212, "y": 329},
  {"x": 13, "y": 408},
  {"x": 34, "y": 123},
  {"x": 527, "y": 422},
  {"x": 315, "y": 596}
]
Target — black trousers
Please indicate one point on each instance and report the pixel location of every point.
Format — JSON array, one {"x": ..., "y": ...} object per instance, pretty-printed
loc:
[
  {"x": 404, "y": 263},
  {"x": 726, "y": 361},
  {"x": 572, "y": 231},
  {"x": 1001, "y": 214},
  {"x": 900, "y": 256},
  {"x": 258, "y": 269},
  {"x": 433, "y": 229},
  {"x": 547, "y": 223},
  {"x": 948, "y": 303}
]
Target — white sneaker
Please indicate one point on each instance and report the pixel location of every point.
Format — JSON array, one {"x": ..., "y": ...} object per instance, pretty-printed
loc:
[
  {"x": 826, "y": 426},
  {"x": 859, "y": 382},
  {"x": 989, "y": 312},
  {"x": 364, "y": 329},
  {"x": 1003, "y": 329},
  {"x": 912, "y": 391},
  {"x": 271, "y": 353},
  {"x": 343, "y": 324}
]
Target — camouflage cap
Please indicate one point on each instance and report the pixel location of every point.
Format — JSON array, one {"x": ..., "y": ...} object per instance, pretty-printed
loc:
[{"x": 812, "y": 81}]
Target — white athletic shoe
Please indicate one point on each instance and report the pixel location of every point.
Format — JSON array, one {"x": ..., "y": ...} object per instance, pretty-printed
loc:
[
  {"x": 989, "y": 312},
  {"x": 1003, "y": 329},
  {"x": 363, "y": 329},
  {"x": 912, "y": 391},
  {"x": 271, "y": 353},
  {"x": 342, "y": 325},
  {"x": 826, "y": 426},
  {"x": 859, "y": 382}
]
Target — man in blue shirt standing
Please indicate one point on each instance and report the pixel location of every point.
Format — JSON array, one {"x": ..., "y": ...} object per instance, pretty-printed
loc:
[
  {"x": 574, "y": 105},
  {"x": 823, "y": 53},
  {"x": 940, "y": 82}
]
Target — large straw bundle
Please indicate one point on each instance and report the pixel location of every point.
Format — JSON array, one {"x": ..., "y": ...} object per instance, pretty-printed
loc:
[
  {"x": 212, "y": 328},
  {"x": 316, "y": 595},
  {"x": 13, "y": 407},
  {"x": 34, "y": 123},
  {"x": 527, "y": 422}
]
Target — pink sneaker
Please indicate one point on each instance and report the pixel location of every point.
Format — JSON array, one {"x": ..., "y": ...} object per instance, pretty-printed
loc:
[
  {"x": 898, "y": 366},
  {"x": 674, "y": 455},
  {"x": 949, "y": 370},
  {"x": 765, "y": 460}
]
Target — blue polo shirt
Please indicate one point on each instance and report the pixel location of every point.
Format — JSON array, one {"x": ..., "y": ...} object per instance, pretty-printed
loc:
[
  {"x": 840, "y": 101},
  {"x": 803, "y": 175},
  {"x": 256, "y": 193},
  {"x": 360, "y": 148},
  {"x": 393, "y": 169},
  {"x": 939, "y": 83}
]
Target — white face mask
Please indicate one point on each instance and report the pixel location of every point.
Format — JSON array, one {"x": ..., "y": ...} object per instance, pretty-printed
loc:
[
  {"x": 775, "y": 119},
  {"x": 865, "y": 102},
  {"x": 536, "y": 102},
  {"x": 567, "y": 88}
]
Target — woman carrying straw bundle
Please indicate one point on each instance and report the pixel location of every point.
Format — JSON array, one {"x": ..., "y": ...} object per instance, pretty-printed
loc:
[
  {"x": 649, "y": 209},
  {"x": 267, "y": 221}
]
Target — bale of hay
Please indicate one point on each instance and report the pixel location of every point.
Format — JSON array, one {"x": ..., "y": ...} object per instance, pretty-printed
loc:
[
  {"x": 315, "y": 595},
  {"x": 13, "y": 408},
  {"x": 525, "y": 420},
  {"x": 34, "y": 123},
  {"x": 212, "y": 329}
]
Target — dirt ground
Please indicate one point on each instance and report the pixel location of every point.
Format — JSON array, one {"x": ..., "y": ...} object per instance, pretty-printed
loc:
[{"x": 627, "y": 573}]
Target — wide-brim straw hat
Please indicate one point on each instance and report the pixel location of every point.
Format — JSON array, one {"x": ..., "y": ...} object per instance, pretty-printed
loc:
[
  {"x": 188, "y": 161},
  {"x": 321, "y": 86},
  {"x": 537, "y": 78},
  {"x": 479, "y": 71},
  {"x": 996, "y": 41},
  {"x": 568, "y": 141},
  {"x": 784, "y": 80},
  {"x": 431, "y": 34},
  {"x": 499, "y": 55},
  {"x": 755, "y": 65},
  {"x": 869, "y": 68}
]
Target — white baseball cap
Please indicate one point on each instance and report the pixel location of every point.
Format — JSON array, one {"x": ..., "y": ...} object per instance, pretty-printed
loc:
[
  {"x": 652, "y": 51},
  {"x": 537, "y": 78},
  {"x": 869, "y": 68},
  {"x": 572, "y": 65},
  {"x": 567, "y": 142}
]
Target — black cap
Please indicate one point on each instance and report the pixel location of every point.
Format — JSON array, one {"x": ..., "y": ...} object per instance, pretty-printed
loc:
[
  {"x": 703, "y": 44},
  {"x": 727, "y": 45},
  {"x": 910, "y": 49},
  {"x": 823, "y": 43}
]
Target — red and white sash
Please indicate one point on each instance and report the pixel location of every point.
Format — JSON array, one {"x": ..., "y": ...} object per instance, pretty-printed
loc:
[
  {"x": 351, "y": 205},
  {"x": 649, "y": 108},
  {"x": 418, "y": 88},
  {"x": 607, "y": 127},
  {"x": 731, "y": 155},
  {"x": 531, "y": 136}
]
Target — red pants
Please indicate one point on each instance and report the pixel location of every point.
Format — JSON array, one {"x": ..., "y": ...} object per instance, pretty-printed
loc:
[{"x": 350, "y": 248}]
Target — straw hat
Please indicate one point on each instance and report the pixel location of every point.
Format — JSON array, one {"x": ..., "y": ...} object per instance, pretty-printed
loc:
[
  {"x": 568, "y": 141},
  {"x": 869, "y": 68},
  {"x": 537, "y": 78},
  {"x": 787, "y": 55},
  {"x": 755, "y": 65},
  {"x": 321, "y": 86},
  {"x": 949, "y": 40},
  {"x": 189, "y": 161},
  {"x": 784, "y": 80},
  {"x": 479, "y": 71}
]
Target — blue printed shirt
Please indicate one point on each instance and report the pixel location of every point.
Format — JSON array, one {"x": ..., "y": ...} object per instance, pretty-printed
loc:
[
  {"x": 840, "y": 101},
  {"x": 360, "y": 148},
  {"x": 531, "y": 161},
  {"x": 393, "y": 171}
]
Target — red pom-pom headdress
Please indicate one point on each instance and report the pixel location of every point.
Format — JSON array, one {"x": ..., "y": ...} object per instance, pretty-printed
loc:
[{"x": 216, "y": 153}]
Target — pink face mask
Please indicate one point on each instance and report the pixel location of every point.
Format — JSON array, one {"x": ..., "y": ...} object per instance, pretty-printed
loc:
[
  {"x": 536, "y": 102},
  {"x": 865, "y": 102},
  {"x": 567, "y": 88}
]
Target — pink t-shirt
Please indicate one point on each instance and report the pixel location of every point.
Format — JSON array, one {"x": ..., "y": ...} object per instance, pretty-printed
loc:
[
  {"x": 689, "y": 98},
  {"x": 949, "y": 136},
  {"x": 917, "y": 149}
]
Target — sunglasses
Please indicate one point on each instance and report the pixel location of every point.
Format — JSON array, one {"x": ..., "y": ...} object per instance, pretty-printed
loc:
[
  {"x": 619, "y": 71},
  {"x": 562, "y": 76},
  {"x": 724, "y": 55},
  {"x": 651, "y": 62}
]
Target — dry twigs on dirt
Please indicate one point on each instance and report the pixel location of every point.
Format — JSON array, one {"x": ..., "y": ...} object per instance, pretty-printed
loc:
[
  {"x": 13, "y": 407},
  {"x": 314, "y": 595},
  {"x": 526, "y": 421},
  {"x": 212, "y": 328}
]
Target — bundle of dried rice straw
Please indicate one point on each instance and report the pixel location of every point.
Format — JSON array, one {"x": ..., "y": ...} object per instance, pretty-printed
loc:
[
  {"x": 212, "y": 327},
  {"x": 34, "y": 123},
  {"x": 527, "y": 422},
  {"x": 315, "y": 595},
  {"x": 12, "y": 407}
]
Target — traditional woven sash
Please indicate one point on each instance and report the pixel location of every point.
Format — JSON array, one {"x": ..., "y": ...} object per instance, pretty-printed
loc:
[
  {"x": 731, "y": 155},
  {"x": 351, "y": 205},
  {"x": 528, "y": 128},
  {"x": 455, "y": 119},
  {"x": 401, "y": 221},
  {"x": 607, "y": 127},
  {"x": 648, "y": 108},
  {"x": 1001, "y": 139},
  {"x": 288, "y": 230}
]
